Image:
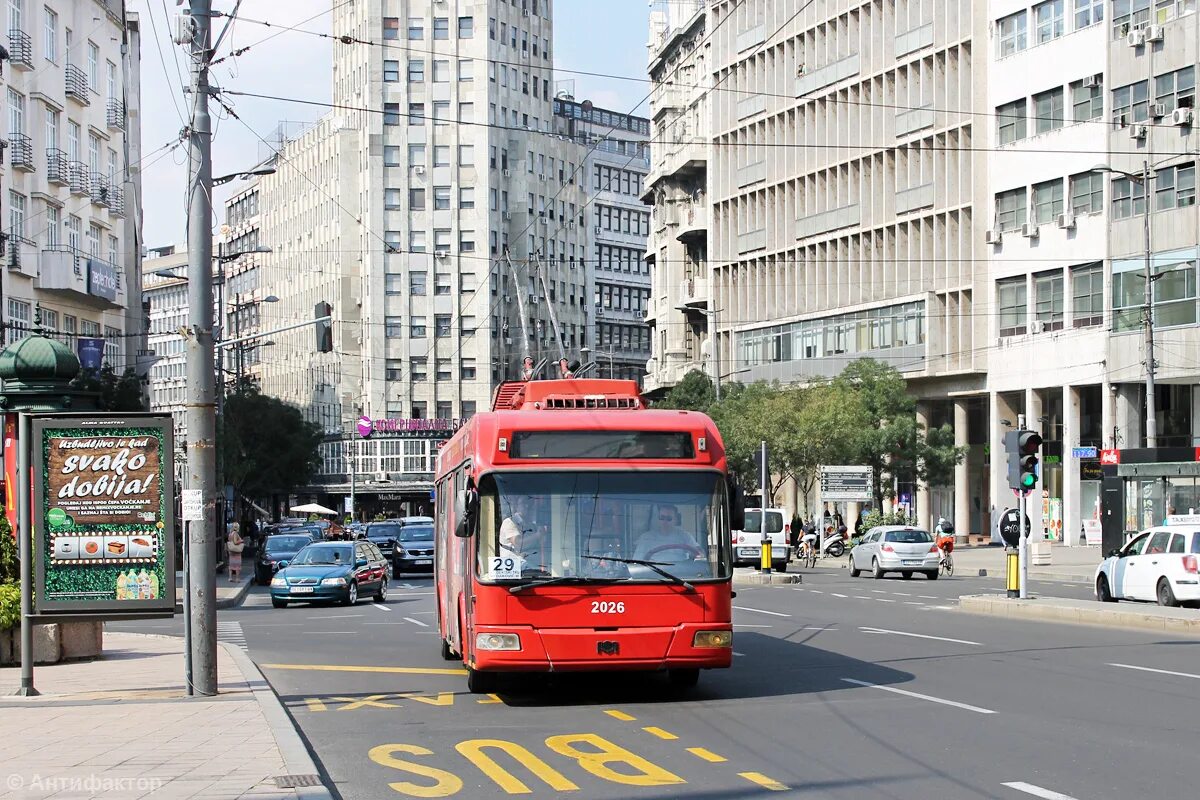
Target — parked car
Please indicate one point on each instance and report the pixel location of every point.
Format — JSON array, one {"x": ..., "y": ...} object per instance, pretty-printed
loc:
[
  {"x": 895, "y": 548},
  {"x": 1161, "y": 564},
  {"x": 332, "y": 572},
  {"x": 747, "y": 543},
  {"x": 279, "y": 548}
]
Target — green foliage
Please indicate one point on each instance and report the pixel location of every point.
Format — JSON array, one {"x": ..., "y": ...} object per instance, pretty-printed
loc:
[
  {"x": 265, "y": 445},
  {"x": 10, "y": 566},
  {"x": 875, "y": 518},
  {"x": 118, "y": 393},
  {"x": 10, "y": 606},
  {"x": 694, "y": 393}
]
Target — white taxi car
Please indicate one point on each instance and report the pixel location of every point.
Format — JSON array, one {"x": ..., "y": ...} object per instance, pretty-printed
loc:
[{"x": 1161, "y": 564}]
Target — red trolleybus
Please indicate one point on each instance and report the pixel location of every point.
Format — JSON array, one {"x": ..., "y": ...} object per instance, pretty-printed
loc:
[{"x": 579, "y": 530}]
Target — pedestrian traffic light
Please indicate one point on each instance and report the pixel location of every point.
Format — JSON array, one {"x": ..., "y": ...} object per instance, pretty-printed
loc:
[
  {"x": 1022, "y": 447},
  {"x": 323, "y": 315}
]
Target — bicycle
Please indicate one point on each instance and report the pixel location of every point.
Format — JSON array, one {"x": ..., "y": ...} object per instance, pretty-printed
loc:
[
  {"x": 946, "y": 563},
  {"x": 810, "y": 556}
]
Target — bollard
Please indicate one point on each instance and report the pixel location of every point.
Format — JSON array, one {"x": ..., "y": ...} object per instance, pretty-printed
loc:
[
  {"x": 1013, "y": 571},
  {"x": 765, "y": 560}
]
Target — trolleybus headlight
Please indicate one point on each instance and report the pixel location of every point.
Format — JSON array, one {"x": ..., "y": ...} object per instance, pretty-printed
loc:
[
  {"x": 497, "y": 641},
  {"x": 713, "y": 639}
]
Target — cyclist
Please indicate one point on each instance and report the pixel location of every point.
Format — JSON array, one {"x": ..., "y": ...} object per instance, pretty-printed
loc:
[
  {"x": 808, "y": 542},
  {"x": 944, "y": 538}
]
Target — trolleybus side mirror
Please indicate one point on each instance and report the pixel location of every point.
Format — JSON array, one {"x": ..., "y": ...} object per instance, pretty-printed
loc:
[
  {"x": 737, "y": 506},
  {"x": 466, "y": 513}
]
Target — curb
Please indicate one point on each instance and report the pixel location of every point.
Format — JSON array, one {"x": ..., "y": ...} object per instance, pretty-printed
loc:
[
  {"x": 296, "y": 757},
  {"x": 1103, "y": 615},
  {"x": 237, "y": 599},
  {"x": 758, "y": 579},
  {"x": 1064, "y": 577}
]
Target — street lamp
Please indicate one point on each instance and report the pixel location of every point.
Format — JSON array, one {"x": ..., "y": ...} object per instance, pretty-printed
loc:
[
  {"x": 1148, "y": 302},
  {"x": 243, "y": 175},
  {"x": 715, "y": 352}
]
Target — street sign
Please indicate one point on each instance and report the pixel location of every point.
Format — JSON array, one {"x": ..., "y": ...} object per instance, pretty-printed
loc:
[
  {"x": 1008, "y": 527},
  {"x": 193, "y": 505},
  {"x": 1084, "y": 452},
  {"x": 846, "y": 483}
]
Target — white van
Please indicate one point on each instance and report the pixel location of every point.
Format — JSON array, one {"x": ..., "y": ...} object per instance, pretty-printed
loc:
[{"x": 747, "y": 543}]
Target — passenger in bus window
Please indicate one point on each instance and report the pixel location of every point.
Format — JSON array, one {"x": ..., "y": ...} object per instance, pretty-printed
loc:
[{"x": 666, "y": 540}]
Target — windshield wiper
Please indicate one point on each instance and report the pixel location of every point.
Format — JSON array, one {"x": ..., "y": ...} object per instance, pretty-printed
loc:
[
  {"x": 564, "y": 579},
  {"x": 657, "y": 566}
]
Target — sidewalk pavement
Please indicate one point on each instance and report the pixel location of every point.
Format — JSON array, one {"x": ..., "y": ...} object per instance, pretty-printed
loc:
[
  {"x": 1142, "y": 616},
  {"x": 229, "y": 595},
  {"x": 1069, "y": 564},
  {"x": 123, "y": 726}
]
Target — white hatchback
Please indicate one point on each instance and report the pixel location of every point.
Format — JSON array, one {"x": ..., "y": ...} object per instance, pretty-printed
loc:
[
  {"x": 895, "y": 548},
  {"x": 1161, "y": 564}
]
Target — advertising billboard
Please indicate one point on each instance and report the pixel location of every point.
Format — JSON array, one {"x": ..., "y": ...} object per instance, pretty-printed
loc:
[{"x": 103, "y": 513}]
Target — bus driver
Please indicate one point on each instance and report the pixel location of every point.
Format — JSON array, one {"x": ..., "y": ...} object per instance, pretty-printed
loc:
[
  {"x": 666, "y": 541},
  {"x": 520, "y": 536}
]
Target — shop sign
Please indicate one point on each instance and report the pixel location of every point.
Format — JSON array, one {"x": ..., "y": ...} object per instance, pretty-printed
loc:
[
  {"x": 1084, "y": 452},
  {"x": 103, "y": 513},
  {"x": 1110, "y": 457},
  {"x": 420, "y": 427}
]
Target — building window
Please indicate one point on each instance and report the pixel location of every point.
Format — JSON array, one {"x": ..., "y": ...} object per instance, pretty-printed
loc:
[
  {"x": 416, "y": 113},
  {"x": 441, "y": 239},
  {"x": 391, "y": 156},
  {"x": 19, "y": 315},
  {"x": 393, "y": 327},
  {"x": 445, "y": 409},
  {"x": 442, "y": 325},
  {"x": 1011, "y": 209},
  {"x": 391, "y": 113},
  {"x": 1128, "y": 198},
  {"x": 1011, "y": 300},
  {"x": 466, "y": 241},
  {"x": 416, "y": 70},
  {"x": 1010, "y": 118},
  {"x": 466, "y": 27},
  {"x": 1049, "y": 21},
  {"x": 53, "y": 221},
  {"x": 1047, "y": 201},
  {"x": 391, "y": 71},
  {"x": 466, "y": 155},
  {"x": 466, "y": 70},
  {"x": 441, "y": 112},
  {"x": 1087, "y": 295},
  {"x": 16, "y": 215},
  {"x": 441, "y": 198},
  {"x": 393, "y": 284},
  {"x": 417, "y": 283},
  {"x": 51, "y": 42},
  {"x": 468, "y": 369},
  {"x": 441, "y": 283},
  {"x": 1174, "y": 295},
  {"x": 416, "y": 199},
  {"x": 393, "y": 369},
  {"x": 1129, "y": 14},
  {"x": 1012, "y": 34},
  {"x": 416, "y": 28},
  {"x": 392, "y": 198},
  {"x": 1087, "y": 102},
  {"x": 416, "y": 241},
  {"x": 416, "y": 329},
  {"x": 391, "y": 242},
  {"x": 1048, "y": 300},
  {"x": 441, "y": 71},
  {"x": 93, "y": 66},
  {"x": 1087, "y": 193},
  {"x": 1175, "y": 187},
  {"x": 441, "y": 155},
  {"x": 1048, "y": 110},
  {"x": 466, "y": 197},
  {"x": 416, "y": 155},
  {"x": 1176, "y": 89},
  {"x": 466, "y": 112},
  {"x": 1088, "y": 12},
  {"x": 441, "y": 28},
  {"x": 1130, "y": 103},
  {"x": 418, "y": 369},
  {"x": 74, "y": 226}
]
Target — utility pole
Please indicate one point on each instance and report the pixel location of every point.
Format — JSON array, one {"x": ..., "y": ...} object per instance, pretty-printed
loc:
[
  {"x": 201, "y": 402},
  {"x": 1148, "y": 323}
]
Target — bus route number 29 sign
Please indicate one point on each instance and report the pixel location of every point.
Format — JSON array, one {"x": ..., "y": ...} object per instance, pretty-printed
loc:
[{"x": 103, "y": 513}]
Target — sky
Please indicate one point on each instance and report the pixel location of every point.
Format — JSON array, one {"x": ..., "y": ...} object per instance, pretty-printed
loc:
[{"x": 608, "y": 38}]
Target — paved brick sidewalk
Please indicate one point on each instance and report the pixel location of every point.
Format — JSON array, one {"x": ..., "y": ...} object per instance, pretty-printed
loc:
[{"x": 122, "y": 726}]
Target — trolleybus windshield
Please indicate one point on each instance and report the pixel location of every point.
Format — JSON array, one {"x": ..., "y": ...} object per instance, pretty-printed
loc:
[{"x": 538, "y": 525}]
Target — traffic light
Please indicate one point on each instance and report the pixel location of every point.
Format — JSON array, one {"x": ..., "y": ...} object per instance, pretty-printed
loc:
[
  {"x": 324, "y": 326},
  {"x": 1022, "y": 447}
]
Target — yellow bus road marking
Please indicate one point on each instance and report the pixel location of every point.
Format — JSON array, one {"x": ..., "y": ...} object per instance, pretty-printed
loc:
[
  {"x": 315, "y": 704},
  {"x": 491, "y": 698},
  {"x": 621, "y": 715},
  {"x": 374, "y": 701},
  {"x": 382, "y": 670},
  {"x": 659, "y": 732},
  {"x": 763, "y": 781},
  {"x": 707, "y": 755}
]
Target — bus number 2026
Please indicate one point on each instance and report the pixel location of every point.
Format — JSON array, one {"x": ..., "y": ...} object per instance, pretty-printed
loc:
[{"x": 606, "y": 607}]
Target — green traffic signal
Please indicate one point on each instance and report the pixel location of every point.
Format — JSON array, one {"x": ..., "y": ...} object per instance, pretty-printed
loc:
[{"x": 1028, "y": 480}]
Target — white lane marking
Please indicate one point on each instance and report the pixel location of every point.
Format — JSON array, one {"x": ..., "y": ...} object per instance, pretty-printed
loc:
[
  {"x": 941, "y": 608},
  {"x": 337, "y": 616},
  {"x": 381, "y": 606},
  {"x": 762, "y": 611},
  {"x": 816, "y": 591},
  {"x": 1037, "y": 791},
  {"x": 930, "y": 698},
  {"x": 927, "y": 597},
  {"x": 918, "y": 636},
  {"x": 327, "y": 633},
  {"x": 835, "y": 594},
  {"x": 416, "y": 622},
  {"x": 912, "y": 603},
  {"x": 798, "y": 589},
  {"x": 744, "y": 625},
  {"x": 883, "y": 600},
  {"x": 879, "y": 591},
  {"x": 902, "y": 594},
  {"x": 383, "y": 623},
  {"x": 410, "y": 594},
  {"x": 861, "y": 597},
  {"x": 1160, "y": 671},
  {"x": 736, "y": 653}
]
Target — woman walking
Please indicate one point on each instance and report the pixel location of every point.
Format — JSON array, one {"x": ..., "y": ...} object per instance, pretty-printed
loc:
[{"x": 234, "y": 545}]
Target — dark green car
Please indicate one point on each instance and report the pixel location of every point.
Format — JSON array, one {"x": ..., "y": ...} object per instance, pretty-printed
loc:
[{"x": 330, "y": 572}]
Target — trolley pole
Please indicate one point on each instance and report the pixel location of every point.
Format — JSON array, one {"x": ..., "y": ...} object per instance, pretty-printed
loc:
[{"x": 202, "y": 396}]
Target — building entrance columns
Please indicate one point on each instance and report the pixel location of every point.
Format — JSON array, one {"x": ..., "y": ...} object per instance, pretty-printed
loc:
[{"x": 962, "y": 482}]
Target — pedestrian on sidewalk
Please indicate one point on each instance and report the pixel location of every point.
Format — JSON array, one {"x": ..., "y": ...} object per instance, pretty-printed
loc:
[{"x": 234, "y": 545}]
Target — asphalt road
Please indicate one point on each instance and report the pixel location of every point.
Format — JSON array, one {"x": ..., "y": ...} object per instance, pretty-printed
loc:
[{"x": 840, "y": 688}]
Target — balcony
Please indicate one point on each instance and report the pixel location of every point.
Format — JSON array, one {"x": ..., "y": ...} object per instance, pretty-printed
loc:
[
  {"x": 694, "y": 292},
  {"x": 56, "y": 167},
  {"x": 77, "y": 85},
  {"x": 20, "y": 49},
  {"x": 78, "y": 177},
  {"x": 693, "y": 225},
  {"x": 100, "y": 191},
  {"x": 20, "y": 255},
  {"x": 81, "y": 278},
  {"x": 116, "y": 201},
  {"x": 20, "y": 152},
  {"x": 116, "y": 115}
]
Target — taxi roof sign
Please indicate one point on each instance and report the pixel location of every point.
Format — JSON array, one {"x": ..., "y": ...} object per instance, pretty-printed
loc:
[{"x": 1183, "y": 519}]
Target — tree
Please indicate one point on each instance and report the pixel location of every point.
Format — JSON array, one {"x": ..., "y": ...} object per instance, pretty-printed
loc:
[
  {"x": 829, "y": 425},
  {"x": 118, "y": 393},
  {"x": 694, "y": 393},
  {"x": 265, "y": 446},
  {"x": 10, "y": 566},
  {"x": 890, "y": 441}
]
